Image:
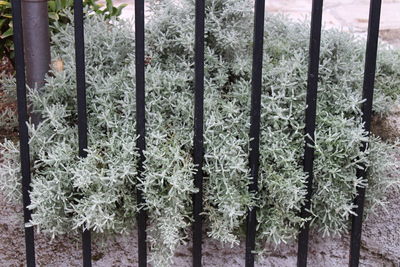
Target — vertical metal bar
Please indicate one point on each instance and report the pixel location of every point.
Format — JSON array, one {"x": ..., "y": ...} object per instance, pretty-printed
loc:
[
  {"x": 82, "y": 117},
  {"x": 198, "y": 132},
  {"x": 368, "y": 93},
  {"x": 23, "y": 129},
  {"x": 140, "y": 123},
  {"x": 259, "y": 9},
  {"x": 311, "y": 102}
]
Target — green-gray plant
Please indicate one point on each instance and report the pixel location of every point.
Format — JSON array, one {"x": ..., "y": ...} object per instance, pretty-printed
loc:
[{"x": 99, "y": 191}]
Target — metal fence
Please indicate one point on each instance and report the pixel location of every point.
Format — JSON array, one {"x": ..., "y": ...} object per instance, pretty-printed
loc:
[{"x": 311, "y": 100}]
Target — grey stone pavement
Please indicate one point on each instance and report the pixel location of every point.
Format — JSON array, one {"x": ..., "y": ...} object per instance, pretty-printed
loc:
[{"x": 349, "y": 15}]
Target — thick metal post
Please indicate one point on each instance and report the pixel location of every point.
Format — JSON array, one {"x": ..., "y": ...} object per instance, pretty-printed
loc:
[{"x": 35, "y": 21}]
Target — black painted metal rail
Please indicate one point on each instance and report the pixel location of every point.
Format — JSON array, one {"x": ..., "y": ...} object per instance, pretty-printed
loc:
[
  {"x": 23, "y": 129},
  {"x": 368, "y": 93},
  {"x": 311, "y": 112},
  {"x": 81, "y": 106},
  {"x": 198, "y": 141},
  {"x": 140, "y": 124},
  {"x": 255, "y": 112}
]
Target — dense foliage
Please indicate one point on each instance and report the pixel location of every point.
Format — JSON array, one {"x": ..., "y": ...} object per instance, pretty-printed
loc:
[{"x": 99, "y": 191}]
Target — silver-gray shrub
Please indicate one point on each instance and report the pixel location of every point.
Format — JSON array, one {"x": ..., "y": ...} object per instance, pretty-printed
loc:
[{"x": 99, "y": 191}]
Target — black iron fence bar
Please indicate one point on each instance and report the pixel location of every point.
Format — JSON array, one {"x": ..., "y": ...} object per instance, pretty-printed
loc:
[
  {"x": 368, "y": 93},
  {"x": 311, "y": 110},
  {"x": 254, "y": 155},
  {"x": 81, "y": 105},
  {"x": 23, "y": 129},
  {"x": 198, "y": 145},
  {"x": 140, "y": 124}
]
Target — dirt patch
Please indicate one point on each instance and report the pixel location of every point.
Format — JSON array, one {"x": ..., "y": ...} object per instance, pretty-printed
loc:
[
  {"x": 392, "y": 36},
  {"x": 6, "y": 66},
  {"x": 387, "y": 127}
]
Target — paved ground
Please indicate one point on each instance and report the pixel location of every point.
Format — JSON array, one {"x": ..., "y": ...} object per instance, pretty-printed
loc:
[{"x": 350, "y": 15}]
